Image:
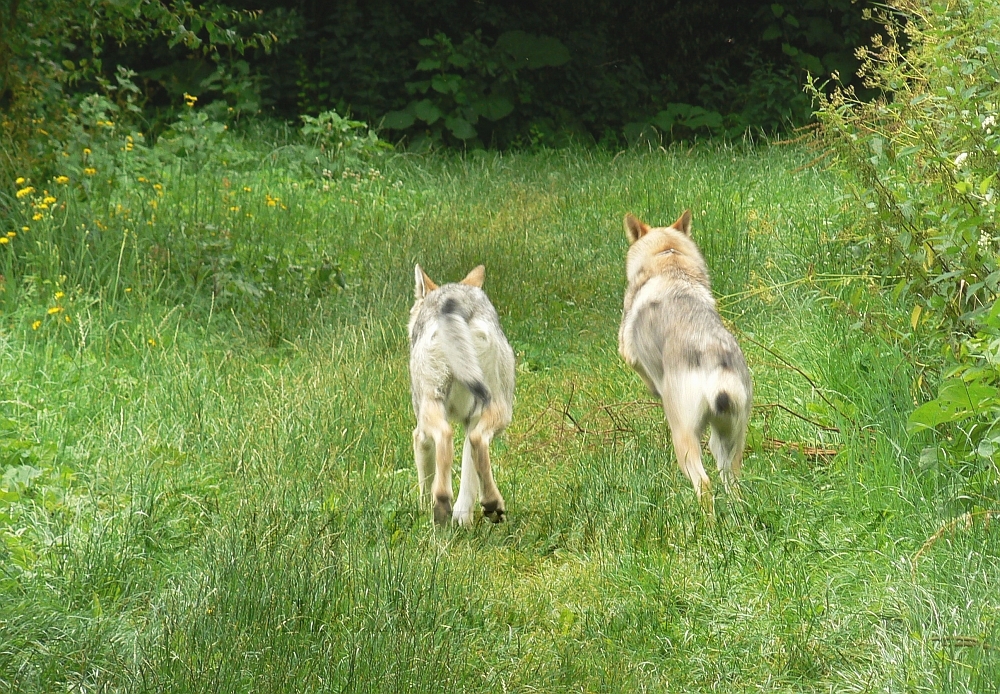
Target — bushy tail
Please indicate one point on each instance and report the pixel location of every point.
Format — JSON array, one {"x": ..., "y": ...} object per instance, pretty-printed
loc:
[
  {"x": 461, "y": 353},
  {"x": 727, "y": 394}
]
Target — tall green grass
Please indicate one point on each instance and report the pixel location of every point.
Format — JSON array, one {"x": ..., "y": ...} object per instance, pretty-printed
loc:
[{"x": 225, "y": 497}]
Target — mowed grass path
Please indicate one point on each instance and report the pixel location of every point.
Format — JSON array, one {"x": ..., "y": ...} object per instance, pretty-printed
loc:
[{"x": 238, "y": 507}]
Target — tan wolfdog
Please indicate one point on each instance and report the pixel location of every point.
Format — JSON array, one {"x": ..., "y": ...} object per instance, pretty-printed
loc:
[
  {"x": 671, "y": 334},
  {"x": 461, "y": 370}
]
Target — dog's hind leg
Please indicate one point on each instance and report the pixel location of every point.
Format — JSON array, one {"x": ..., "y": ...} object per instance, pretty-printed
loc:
[
  {"x": 434, "y": 423},
  {"x": 687, "y": 447},
  {"x": 480, "y": 436},
  {"x": 468, "y": 489},
  {"x": 423, "y": 454},
  {"x": 726, "y": 444}
]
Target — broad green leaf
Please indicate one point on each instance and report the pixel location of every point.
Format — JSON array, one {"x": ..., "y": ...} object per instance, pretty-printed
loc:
[
  {"x": 494, "y": 107},
  {"x": 460, "y": 128},
  {"x": 397, "y": 120},
  {"x": 426, "y": 111}
]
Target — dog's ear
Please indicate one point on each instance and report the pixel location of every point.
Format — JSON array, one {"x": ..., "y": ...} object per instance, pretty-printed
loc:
[
  {"x": 425, "y": 285},
  {"x": 476, "y": 277},
  {"x": 683, "y": 223},
  {"x": 634, "y": 229}
]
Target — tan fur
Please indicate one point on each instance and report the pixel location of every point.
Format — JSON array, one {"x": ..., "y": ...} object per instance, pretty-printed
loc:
[{"x": 672, "y": 336}]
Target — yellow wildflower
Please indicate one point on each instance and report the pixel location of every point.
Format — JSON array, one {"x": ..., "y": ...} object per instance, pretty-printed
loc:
[
  {"x": 128, "y": 289},
  {"x": 67, "y": 318},
  {"x": 60, "y": 295},
  {"x": 62, "y": 180},
  {"x": 19, "y": 180},
  {"x": 142, "y": 179},
  {"x": 128, "y": 138},
  {"x": 152, "y": 342},
  {"x": 24, "y": 191},
  {"x": 234, "y": 208},
  {"x": 247, "y": 189},
  {"x": 128, "y": 147},
  {"x": 48, "y": 200},
  {"x": 54, "y": 310},
  {"x": 36, "y": 216},
  {"x": 36, "y": 325},
  {"x": 90, "y": 171},
  {"x": 86, "y": 151},
  {"x": 41, "y": 206},
  {"x": 190, "y": 100},
  {"x": 25, "y": 228},
  {"x": 4, "y": 239},
  {"x": 11, "y": 234},
  {"x": 157, "y": 186}
]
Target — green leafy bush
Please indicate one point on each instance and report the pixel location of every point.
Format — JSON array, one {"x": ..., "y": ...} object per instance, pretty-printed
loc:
[
  {"x": 460, "y": 85},
  {"x": 923, "y": 161}
]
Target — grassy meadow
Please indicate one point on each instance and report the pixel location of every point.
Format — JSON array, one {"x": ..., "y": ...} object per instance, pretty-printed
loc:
[{"x": 209, "y": 483}]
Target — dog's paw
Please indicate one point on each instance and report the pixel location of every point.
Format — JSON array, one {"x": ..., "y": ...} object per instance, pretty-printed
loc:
[
  {"x": 494, "y": 510},
  {"x": 463, "y": 512},
  {"x": 442, "y": 510}
]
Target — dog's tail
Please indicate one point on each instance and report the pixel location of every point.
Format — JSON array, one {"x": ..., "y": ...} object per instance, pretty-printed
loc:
[
  {"x": 461, "y": 353},
  {"x": 728, "y": 394}
]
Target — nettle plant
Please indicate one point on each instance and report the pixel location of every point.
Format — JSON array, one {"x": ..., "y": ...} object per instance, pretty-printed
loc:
[
  {"x": 923, "y": 160},
  {"x": 462, "y": 86}
]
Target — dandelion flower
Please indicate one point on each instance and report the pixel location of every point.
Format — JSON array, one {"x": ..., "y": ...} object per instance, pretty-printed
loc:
[
  {"x": 19, "y": 180},
  {"x": 62, "y": 180},
  {"x": 142, "y": 179},
  {"x": 24, "y": 191},
  {"x": 189, "y": 99},
  {"x": 60, "y": 295},
  {"x": 247, "y": 189},
  {"x": 67, "y": 318},
  {"x": 234, "y": 208},
  {"x": 25, "y": 228},
  {"x": 54, "y": 310},
  {"x": 90, "y": 171},
  {"x": 48, "y": 200},
  {"x": 86, "y": 151},
  {"x": 4, "y": 239},
  {"x": 36, "y": 325},
  {"x": 152, "y": 342},
  {"x": 157, "y": 186},
  {"x": 37, "y": 216},
  {"x": 11, "y": 234},
  {"x": 128, "y": 289}
]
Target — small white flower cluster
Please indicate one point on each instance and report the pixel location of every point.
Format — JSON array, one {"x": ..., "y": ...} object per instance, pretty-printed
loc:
[{"x": 960, "y": 159}]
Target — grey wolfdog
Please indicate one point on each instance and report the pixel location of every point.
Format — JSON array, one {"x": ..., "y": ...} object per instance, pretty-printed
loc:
[
  {"x": 461, "y": 370},
  {"x": 672, "y": 335}
]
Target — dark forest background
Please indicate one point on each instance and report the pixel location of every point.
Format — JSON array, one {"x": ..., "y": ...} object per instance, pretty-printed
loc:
[{"x": 456, "y": 72}]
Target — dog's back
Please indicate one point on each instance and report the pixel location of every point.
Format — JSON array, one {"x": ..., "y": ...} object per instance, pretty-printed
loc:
[{"x": 459, "y": 352}]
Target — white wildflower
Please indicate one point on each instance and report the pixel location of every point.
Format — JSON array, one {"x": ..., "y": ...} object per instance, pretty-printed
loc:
[{"x": 960, "y": 159}]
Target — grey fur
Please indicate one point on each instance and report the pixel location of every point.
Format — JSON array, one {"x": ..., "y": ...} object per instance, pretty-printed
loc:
[
  {"x": 461, "y": 371},
  {"x": 673, "y": 337}
]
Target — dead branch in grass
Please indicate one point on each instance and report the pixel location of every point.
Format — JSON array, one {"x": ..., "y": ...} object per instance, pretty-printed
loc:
[{"x": 966, "y": 520}]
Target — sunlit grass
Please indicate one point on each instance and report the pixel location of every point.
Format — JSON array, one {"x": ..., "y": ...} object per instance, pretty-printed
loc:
[{"x": 226, "y": 498}]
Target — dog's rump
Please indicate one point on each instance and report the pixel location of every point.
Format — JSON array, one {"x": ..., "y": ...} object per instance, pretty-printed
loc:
[{"x": 674, "y": 331}]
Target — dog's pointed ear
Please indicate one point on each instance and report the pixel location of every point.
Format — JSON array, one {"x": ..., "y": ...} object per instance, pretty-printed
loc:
[
  {"x": 634, "y": 229},
  {"x": 476, "y": 277},
  {"x": 425, "y": 285},
  {"x": 683, "y": 223}
]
